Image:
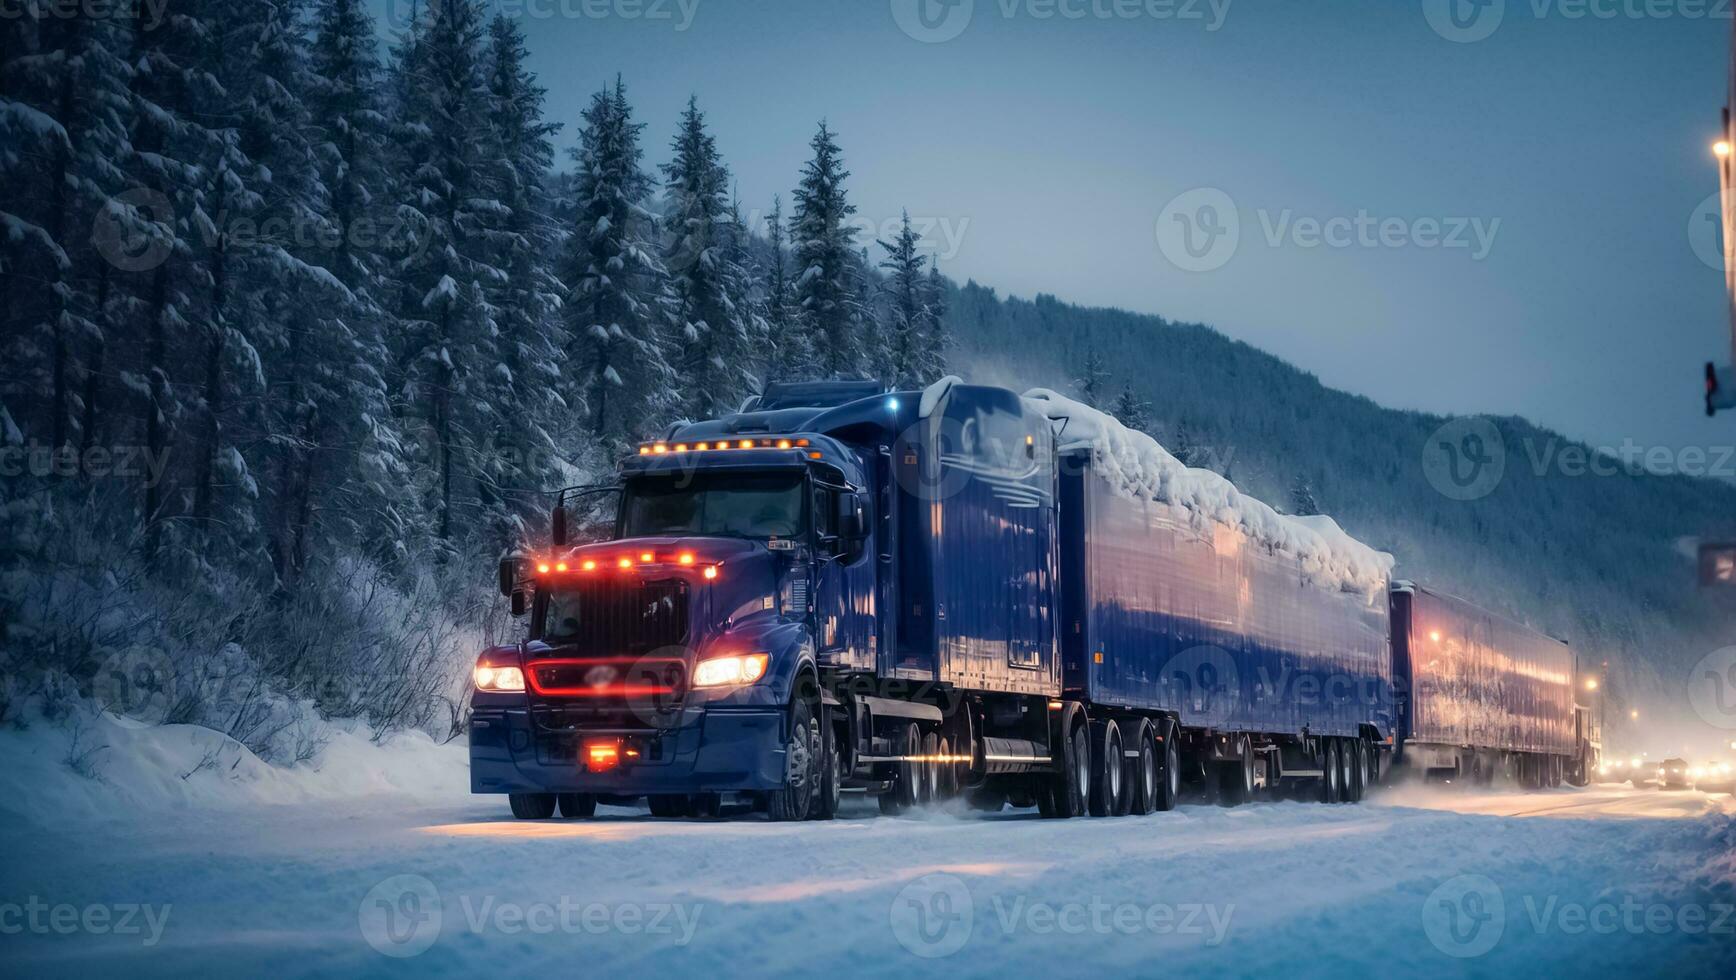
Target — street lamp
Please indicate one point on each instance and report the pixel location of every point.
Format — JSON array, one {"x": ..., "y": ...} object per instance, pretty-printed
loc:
[
  {"x": 1591, "y": 683},
  {"x": 1721, "y": 149},
  {"x": 1634, "y": 714}
]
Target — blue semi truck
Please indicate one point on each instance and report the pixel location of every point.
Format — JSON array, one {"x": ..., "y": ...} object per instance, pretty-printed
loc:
[{"x": 957, "y": 592}]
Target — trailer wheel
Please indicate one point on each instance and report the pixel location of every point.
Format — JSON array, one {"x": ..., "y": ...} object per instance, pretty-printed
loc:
[
  {"x": 532, "y": 806},
  {"x": 1169, "y": 777},
  {"x": 1108, "y": 769},
  {"x": 1071, "y": 787},
  {"x": 1142, "y": 774},
  {"x": 928, "y": 771},
  {"x": 1236, "y": 777},
  {"x": 1354, "y": 770},
  {"x": 577, "y": 805},
  {"x": 946, "y": 772},
  {"x": 795, "y": 798},
  {"x": 1329, "y": 787},
  {"x": 1371, "y": 770}
]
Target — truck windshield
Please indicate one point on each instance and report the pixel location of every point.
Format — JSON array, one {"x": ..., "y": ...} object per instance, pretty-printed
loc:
[{"x": 737, "y": 505}]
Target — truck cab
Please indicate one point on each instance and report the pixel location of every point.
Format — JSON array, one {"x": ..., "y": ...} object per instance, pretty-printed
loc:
[{"x": 672, "y": 659}]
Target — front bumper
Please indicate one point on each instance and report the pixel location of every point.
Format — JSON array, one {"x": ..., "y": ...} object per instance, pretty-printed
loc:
[{"x": 712, "y": 749}]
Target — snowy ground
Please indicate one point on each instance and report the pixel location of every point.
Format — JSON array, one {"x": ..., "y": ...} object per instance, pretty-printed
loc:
[{"x": 427, "y": 880}]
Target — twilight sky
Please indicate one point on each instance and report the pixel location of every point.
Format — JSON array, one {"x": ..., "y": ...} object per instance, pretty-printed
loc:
[{"x": 1513, "y": 212}]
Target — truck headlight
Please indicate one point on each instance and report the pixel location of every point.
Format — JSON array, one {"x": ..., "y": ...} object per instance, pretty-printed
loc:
[
  {"x": 730, "y": 671},
  {"x": 503, "y": 679}
]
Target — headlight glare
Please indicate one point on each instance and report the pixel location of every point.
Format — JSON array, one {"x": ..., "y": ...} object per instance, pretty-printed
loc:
[{"x": 730, "y": 671}]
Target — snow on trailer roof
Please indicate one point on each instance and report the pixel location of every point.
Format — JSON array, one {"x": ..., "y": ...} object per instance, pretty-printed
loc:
[{"x": 1136, "y": 466}]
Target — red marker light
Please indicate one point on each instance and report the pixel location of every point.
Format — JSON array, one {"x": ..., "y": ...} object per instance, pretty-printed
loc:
[
  {"x": 711, "y": 571},
  {"x": 686, "y": 559},
  {"x": 602, "y": 755},
  {"x": 647, "y": 558},
  {"x": 543, "y": 569},
  {"x": 561, "y": 567},
  {"x": 589, "y": 566},
  {"x": 625, "y": 563}
]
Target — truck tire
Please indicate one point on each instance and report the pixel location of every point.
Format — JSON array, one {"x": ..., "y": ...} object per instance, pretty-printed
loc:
[
  {"x": 1355, "y": 769},
  {"x": 901, "y": 795},
  {"x": 705, "y": 806},
  {"x": 1108, "y": 769},
  {"x": 576, "y": 806},
  {"x": 1371, "y": 779},
  {"x": 1142, "y": 775},
  {"x": 1236, "y": 776},
  {"x": 1330, "y": 790},
  {"x": 829, "y": 788},
  {"x": 1169, "y": 761},
  {"x": 793, "y": 800},
  {"x": 946, "y": 782},
  {"x": 1071, "y": 787},
  {"x": 928, "y": 771},
  {"x": 532, "y": 806}
]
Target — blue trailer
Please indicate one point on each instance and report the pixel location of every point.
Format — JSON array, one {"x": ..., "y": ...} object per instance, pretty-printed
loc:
[
  {"x": 1482, "y": 697},
  {"x": 916, "y": 595}
]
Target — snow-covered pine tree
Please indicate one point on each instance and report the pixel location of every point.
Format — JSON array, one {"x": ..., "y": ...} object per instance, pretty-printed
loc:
[
  {"x": 1093, "y": 378},
  {"x": 342, "y": 475},
  {"x": 906, "y": 309},
  {"x": 932, "y": 358},
  {"x": 743, "y": 285},
  {"x": 171, "y": 148},
  {"x": 788, "y": 353},
  {"x": 823, "y": 243},
  {"x": 447, "y": 319},
  {"x": 64, "y": 112},
  {"x": 710, "y": 330},
  {"x": 616, "y": 301},
  {"x": 527, "y": 303},
  {"x": 1302, "y": 501},
  {"x": 1131, "y": 410}
]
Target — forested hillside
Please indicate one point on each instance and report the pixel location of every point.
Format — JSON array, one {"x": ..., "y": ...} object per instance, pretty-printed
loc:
[
  {"x": 301, "y": 322},
  {"x": 1596, "y": 560}
]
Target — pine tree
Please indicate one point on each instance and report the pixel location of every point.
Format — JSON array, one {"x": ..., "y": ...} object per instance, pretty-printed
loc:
[
  {"x": 1302, "y": 502},
  {"x": 868, "y": 321},
  {"x": 527, "y": 303},
  {"x": 1093, "y": 378},
  {"x": 446, "y": 315},
  {"x": 823, "y": 244},
  {"x": 907, "y": 309},
  {"x": 616, "y": 303},
  {"x": 1131, "y": 410},
  {"x": 705, "y": 284},
  {"x": 932, "y": 356},
  {"x": 788, "y": 353}
]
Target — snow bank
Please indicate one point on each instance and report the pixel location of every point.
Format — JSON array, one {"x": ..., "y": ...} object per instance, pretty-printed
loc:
[
  {"x": 132, "y": 768},
  {"x": 1136, "y": 466}
]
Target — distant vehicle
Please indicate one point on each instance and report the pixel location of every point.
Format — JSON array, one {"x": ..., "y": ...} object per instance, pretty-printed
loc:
[
  {"x": 1632, "y": 769},
  {"x": 1674, "y": 774},
  {"x": 1714, "y": 777}
]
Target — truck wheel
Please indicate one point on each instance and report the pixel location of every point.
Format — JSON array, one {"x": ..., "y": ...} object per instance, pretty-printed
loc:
[
  {"x": 1108, "y": 768},
  {"x": 1071, "y": 787},
  {"x": 829, "y": 791},
  {"x": 1371, "y": 777},
  {"x": 577, "y": 805},
  {"x": 1169, "y": 776},
  {"x": 1236, "y": 777},
  {"x": 532, "y": 806},
  {"x": 946, "y": 773},
  {"x": 1142, "y": 772},
  {"x": 929, "y": 770},
  {"x": 1329, "y": 787},
  {"x": 1355, "y": 770},
  {"x": 797, "y": 795}
]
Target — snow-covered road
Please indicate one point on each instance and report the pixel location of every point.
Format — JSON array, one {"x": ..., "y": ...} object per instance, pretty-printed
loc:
[{"x": 1613, "y": 880}]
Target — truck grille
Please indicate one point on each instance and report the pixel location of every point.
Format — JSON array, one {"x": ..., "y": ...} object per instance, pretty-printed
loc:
[{"x": 626, "y": 668}]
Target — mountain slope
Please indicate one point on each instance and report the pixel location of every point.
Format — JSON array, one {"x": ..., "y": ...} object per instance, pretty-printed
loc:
[{"x": 1596, "y": 560}]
